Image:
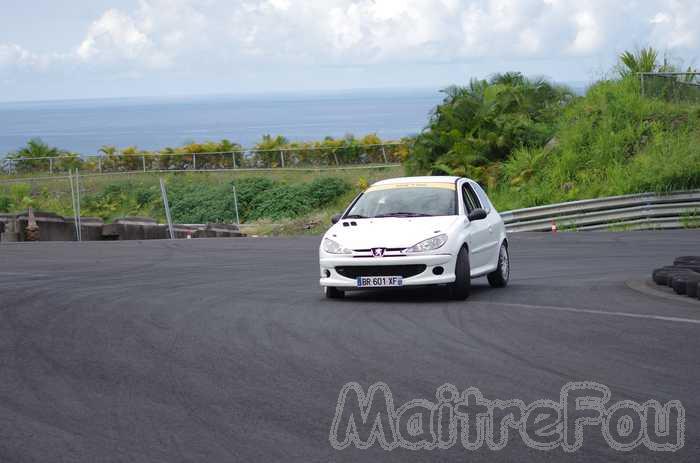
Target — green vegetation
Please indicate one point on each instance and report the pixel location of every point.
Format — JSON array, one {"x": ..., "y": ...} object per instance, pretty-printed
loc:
[
  {"x": 528, "y": 141},
  {"x": 274, "y": 203},
  {"x": 612, "y": 141},
  {"x": 269, "y": 152},
  {"x": 691, "y": 219},
  {"x": 480, "y": 125},
  {"x": 532, "y": 143}
]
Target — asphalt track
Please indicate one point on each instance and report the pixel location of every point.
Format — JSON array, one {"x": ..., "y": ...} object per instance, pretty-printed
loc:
[{"x": 224, "y": 350}]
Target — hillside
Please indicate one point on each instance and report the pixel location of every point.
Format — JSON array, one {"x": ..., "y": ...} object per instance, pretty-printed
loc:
[
  {"x": 612, "y": 141},
  {"x": 532, "y": 143}
]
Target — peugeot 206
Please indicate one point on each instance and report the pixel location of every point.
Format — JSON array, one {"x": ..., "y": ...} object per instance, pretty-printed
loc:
[{"x": 415, "y": 231}]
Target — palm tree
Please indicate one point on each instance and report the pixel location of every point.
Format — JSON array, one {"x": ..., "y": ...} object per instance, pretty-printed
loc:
[
  {"x": 34, "y": 156},
  {"x": 643, "y": 60}
]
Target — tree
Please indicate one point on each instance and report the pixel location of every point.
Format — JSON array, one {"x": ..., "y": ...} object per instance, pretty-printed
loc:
[
  {"x": 647, "y": 60},
  {"x": 481, "y": 124},
  {"x": 268, "y": 151},
  {"x": 38, "y": 156},
  {"x": 643, "y": 60}
]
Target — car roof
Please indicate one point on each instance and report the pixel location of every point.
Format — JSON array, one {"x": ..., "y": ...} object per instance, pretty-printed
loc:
[{"x": 431, "y": 179}]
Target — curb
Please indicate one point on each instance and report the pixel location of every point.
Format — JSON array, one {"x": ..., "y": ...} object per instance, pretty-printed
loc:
[{"x": 650, "y": 288}]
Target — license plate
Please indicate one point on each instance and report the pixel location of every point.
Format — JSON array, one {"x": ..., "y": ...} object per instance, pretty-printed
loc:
[{"x": 378, "y": 282}]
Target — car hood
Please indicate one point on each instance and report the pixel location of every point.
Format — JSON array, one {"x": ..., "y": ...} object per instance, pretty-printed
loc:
[{"x": 389, "y": 232}]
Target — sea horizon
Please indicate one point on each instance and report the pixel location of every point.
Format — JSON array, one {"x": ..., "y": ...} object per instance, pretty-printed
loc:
[
  {"x": 157, "y": 122},
  {"x": 83, "y": 126}
]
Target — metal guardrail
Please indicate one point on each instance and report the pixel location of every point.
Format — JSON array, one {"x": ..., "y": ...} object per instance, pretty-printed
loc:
[{"x": 630, "y": 212}]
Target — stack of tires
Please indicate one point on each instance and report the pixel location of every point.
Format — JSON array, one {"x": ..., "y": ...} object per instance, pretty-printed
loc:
[{"x": 683, "y": 276}]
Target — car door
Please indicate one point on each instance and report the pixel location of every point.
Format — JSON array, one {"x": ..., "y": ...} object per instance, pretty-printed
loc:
[
  {"x": 495, "y": 224},
  {"x": 478, "y": 241}
]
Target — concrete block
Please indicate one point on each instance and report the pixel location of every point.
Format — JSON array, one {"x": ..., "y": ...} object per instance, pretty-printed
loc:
[
  {"x": 134, "y": 228},
  {"x": 90, "y": 228},
  {"x": 52, "y": 227},
  {"x": 10, "y": 225},
  {"x": 223, "y": 230}
]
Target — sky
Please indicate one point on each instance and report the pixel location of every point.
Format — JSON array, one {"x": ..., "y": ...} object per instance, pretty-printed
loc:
[{"x": 60, "y": 49}]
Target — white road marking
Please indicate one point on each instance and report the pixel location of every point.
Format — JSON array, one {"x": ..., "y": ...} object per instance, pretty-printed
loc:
[
  {"x": 23, "y": 274},
  {"x": 596, "y": 312}
]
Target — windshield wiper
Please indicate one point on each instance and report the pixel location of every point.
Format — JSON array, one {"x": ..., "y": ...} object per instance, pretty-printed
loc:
[
  {"x": 356, "y": 216},
  {"x": 405, "y": 214}
]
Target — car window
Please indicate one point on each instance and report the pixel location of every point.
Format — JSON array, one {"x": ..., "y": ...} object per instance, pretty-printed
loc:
[
  {"x": 405, "y": 200},
  {"x": 470, "y": 199},
  {"x": 483, "y": 198}
]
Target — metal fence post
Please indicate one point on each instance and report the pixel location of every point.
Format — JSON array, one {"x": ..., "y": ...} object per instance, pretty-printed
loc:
[
  {"x": 166, "y": 205},
  {"x": 282, "y": 157},
  {"x": 384, "y": 154},
  {"x": 194, "y": 161},
  {"x": 50, "y": 166},
  {"x": 235, "y": 204},
  {"x": 72, "y": 199},
  {"x": 77, "y": 195},
  {"x": 99, "y": 164},
  {"x": 143, "y": 162},
  {"x": 233, "y": 158}
]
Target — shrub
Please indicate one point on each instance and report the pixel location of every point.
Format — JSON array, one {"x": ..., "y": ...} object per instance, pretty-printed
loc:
[
  {"x": 193, "y": 203},
  {"x": 292, "y": 200},
  {"x": 5, "y": 204},
  {"x": 258, "y": 198}
]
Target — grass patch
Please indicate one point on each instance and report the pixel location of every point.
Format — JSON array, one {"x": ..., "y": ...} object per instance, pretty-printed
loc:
[{"x": 292, "y": 198}]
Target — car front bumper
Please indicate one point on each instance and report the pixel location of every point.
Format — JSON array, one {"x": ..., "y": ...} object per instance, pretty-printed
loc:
[{"x": 330, "y": 277}]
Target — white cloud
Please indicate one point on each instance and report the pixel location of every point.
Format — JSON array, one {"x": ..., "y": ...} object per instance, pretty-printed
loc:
[
  {"x": 14, "y": 56},
  {"x": 677, "y": 25},
  {"x": 589, "y": 35},
  {"x": 220, "y": 34},
  {"x": 117, "y": 35}
]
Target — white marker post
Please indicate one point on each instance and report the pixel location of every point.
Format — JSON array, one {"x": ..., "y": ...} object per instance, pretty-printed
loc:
[
  {"x": 235, "y": 204},
  {"x": 166, "y": 205}
]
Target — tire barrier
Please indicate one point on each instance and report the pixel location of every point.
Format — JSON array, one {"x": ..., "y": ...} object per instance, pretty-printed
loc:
[
  {"x": 683, "y": 276},
  {"x": 662, "y": 276}
]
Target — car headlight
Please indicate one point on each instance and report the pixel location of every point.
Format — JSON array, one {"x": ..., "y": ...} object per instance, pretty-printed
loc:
[
  {"x": 431, "y": 244},
  {"x": 333, "y": 247}
]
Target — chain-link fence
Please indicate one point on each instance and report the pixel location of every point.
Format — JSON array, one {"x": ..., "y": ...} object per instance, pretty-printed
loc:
[
  {"x": 671, "y": 86},
  {"x": 283, "y": 158}
]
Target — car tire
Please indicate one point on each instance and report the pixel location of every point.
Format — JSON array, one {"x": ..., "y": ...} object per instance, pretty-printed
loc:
[
  {"x": 333, "y": 293},
  {"x": 691, "y": 288},
  {"x": 499, "y": 277},
  {"x": 460, "y": 289},
  {"x": 687, "y": 260},
  {"x": 678, "y": 284}
]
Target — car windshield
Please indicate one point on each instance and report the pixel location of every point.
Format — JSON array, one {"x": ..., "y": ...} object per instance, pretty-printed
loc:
[{"x": 416, "y": 200}]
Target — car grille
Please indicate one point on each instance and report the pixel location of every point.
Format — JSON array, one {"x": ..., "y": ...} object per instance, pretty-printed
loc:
[
  {"x": 405, "y": 271},
  {"x": 388, "y": 252}
]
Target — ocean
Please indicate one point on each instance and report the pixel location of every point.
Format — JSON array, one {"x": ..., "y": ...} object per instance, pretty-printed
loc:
[{"x": 83, "y": 126}]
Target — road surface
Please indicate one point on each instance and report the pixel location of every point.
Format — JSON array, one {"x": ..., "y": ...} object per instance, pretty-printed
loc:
[{"x": 225, "y": 350}]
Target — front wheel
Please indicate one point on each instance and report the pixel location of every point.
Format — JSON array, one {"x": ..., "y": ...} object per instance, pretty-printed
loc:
[
  {"x": 333, "y": 293},
  {"x": 499, "y": 277},
  {"x": 461, "y": 288}
]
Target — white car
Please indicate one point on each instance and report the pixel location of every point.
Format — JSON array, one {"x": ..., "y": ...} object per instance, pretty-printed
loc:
[{"x": 415, "y": 231}]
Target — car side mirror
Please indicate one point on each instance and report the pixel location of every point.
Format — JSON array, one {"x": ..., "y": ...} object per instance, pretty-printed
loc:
[
  {"x": 477, "y": 214},
  {"x": 336, "y": 218}
]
